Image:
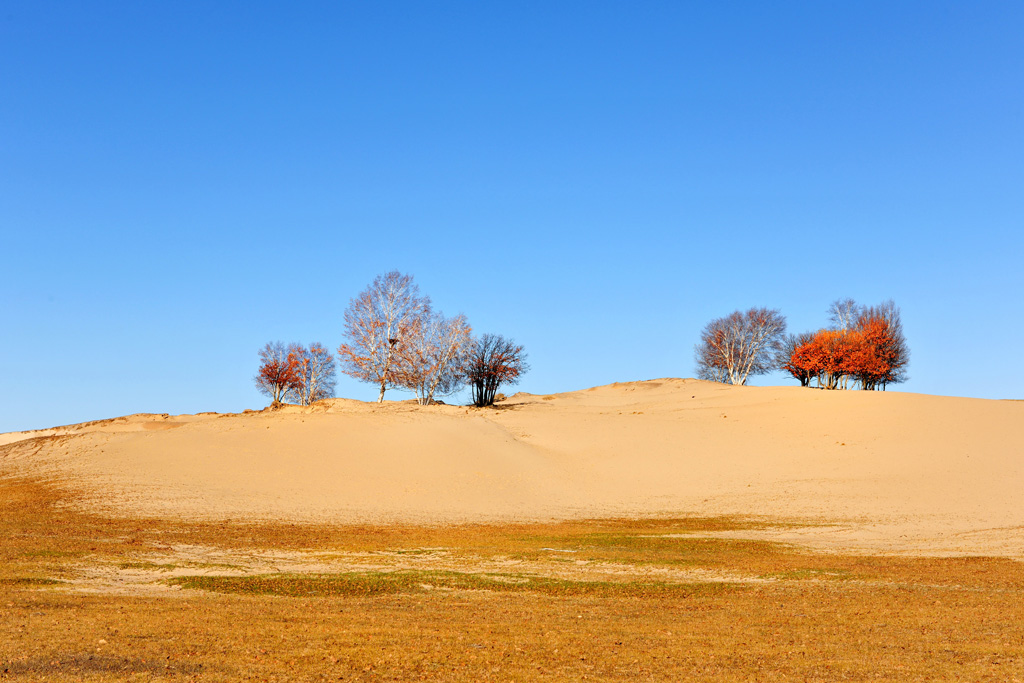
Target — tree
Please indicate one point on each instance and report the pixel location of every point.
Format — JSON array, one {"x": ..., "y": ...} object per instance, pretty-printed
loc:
[
  {"x": 885, "y": 354},
  {"x": 710, "y": 361},
  {"x": 786, "y": 351},
  {"x": 733, "y": 348},
  {"x": 433, "y": 362},
  {"x": 809, "y": 359},
  {"x": 843, "y": 313},
  {"x": 385, "y": 315},
  {"x": 865, "y": 344},
  {"x": 493, "y": 360},
  {"x": 828, "y": 357},
  {"x": 278, "y": 372},
  {"x": 315, "y": 368}
]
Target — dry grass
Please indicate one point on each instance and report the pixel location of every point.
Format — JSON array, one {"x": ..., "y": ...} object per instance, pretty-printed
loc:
[{"x": 597, "y": 600}]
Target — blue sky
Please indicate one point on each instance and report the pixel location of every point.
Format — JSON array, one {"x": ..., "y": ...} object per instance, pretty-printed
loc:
[{"x": 182, "y": 182}]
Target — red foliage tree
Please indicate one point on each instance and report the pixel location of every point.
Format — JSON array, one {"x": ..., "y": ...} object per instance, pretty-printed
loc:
[
  {"x": 883, "y": 355},
  {"x": 278, "y": 374},
  {"x": 787, "y": 350},
  {"x": 871, "y": 350},
  {"x": 839, "y": 350},
  {"x": 809, "y": 358}
]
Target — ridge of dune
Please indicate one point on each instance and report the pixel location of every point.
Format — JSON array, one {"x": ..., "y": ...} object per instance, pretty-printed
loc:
[
  {"x": 126, "y": 423},
  {"x": 888, "y": 470}
]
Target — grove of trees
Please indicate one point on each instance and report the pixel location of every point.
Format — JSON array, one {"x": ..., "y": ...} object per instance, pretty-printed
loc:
[
  {"x": 394, "y": 339},
  {"x": 863, "y": 347},
  {"x": 295, "y": 373}
]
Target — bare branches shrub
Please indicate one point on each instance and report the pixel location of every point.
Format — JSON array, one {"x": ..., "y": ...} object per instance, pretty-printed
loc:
[{"x": 493, "y": 361}]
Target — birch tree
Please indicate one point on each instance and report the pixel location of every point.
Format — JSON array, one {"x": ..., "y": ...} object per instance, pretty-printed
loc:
[
  {"x": 387, "y": 314},
  {"x": 843, "y": 313},
  {"x": 733, "y": 348},
  {"x": 315, "y": 368},
  {"x": 433, "y": 363}
]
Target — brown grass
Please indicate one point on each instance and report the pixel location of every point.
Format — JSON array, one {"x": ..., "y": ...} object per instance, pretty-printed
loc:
[{"x": 594, "y": 600}]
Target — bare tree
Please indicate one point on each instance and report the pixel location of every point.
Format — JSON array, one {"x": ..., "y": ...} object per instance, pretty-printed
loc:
[
  {"x": 493, "y": 361},
  {"x": 710, "y": 362},
  {"x": 733, "y": 348},
  {"x": 316, "y": 372},
  {"x": 386, "y": 314},
  {"x": 434, "y": 361},
  {"x": 843, "y": 313}
]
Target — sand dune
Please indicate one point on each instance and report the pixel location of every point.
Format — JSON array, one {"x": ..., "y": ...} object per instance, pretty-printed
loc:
[{"x": 889, "y": 471}]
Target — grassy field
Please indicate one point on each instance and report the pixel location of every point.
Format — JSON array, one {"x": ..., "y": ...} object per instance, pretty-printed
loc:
[{"x": 83, "y": 597}]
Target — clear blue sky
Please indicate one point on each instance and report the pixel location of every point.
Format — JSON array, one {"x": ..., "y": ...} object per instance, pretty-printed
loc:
[{"x": 182, "y": 182}]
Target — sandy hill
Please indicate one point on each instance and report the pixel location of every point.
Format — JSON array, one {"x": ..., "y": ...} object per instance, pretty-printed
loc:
[{"x": 890, "y": 471}]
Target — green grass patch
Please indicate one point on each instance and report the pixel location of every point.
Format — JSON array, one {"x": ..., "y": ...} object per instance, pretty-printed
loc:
[
  {"x": 53, "y": 553},
  {"x": 383, "y": 583},
  {"x": 149, "y": 566},
  {"x": 804, "y": 574},
  {"x": 416, "y": 551},
  {"x": 641, "y": 549},
  {"x": 27, "y": 581}
]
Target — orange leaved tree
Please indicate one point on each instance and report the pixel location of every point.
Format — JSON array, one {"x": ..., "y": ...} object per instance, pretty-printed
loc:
[
  {"x": 827, "y": 357},
  {"x": 785, "y": 356},
  {"x": 884, "y": 354},
  {"x": 865, "y": 346}
]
